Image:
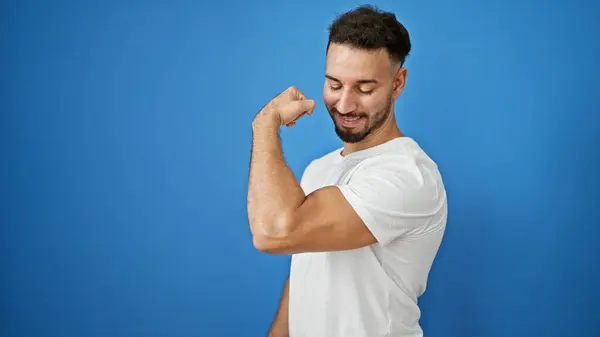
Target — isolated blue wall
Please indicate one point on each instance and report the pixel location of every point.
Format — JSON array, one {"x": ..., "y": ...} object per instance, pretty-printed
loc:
[{"x": 125, "y": 139}]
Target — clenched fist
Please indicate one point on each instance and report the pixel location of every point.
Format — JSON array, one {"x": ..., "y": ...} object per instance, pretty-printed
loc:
[{"x": 287, "y": 107}]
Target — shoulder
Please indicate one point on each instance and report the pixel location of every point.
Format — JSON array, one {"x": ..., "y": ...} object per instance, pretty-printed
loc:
[{"x": 406, "y": 181}]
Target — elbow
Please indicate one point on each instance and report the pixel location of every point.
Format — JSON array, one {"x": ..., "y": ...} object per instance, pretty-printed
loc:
[
  {"x": 273, "y": 239},
  {"x": 264, "y": 244},
  {"x": 271, "y": 245}
]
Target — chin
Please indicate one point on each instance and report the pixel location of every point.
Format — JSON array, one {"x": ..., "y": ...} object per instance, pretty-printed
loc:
[{"x": 350, "y": 137}]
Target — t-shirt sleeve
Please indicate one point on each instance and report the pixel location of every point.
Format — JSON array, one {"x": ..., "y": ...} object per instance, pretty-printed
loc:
[{"x": 393, "y": 195}]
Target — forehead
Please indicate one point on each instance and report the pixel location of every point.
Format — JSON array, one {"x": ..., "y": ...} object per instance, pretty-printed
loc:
[{"x": 351, "y": 64}]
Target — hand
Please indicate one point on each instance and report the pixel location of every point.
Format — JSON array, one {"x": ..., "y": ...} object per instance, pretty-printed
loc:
[{"x": 287, "y": 107}]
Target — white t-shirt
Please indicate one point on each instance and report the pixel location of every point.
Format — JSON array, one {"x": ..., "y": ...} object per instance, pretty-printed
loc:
[{"x": 372, "y": 291}]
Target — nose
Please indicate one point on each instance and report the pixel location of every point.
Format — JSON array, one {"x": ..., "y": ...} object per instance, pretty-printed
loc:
[{"x": 346, "y": 103}]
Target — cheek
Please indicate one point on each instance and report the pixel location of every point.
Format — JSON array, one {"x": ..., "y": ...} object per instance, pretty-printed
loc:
[
  {"x": 374, "y": 103},
  {"x": 362, "y": 104},
  {"x": 371, "y": 107},
  {"x": 329, "y": 98}
]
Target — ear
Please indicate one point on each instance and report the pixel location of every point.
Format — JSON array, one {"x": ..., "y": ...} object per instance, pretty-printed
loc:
[{"x": 399, "y": 81}]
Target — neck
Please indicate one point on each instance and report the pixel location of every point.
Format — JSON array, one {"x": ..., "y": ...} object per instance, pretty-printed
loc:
[{"x": 384, "y": 134}]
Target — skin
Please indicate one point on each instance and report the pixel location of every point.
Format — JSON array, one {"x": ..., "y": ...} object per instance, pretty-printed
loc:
[{"x": 283, "y": 219}]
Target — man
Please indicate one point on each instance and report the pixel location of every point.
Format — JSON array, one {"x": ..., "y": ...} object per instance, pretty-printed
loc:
[{"x": 365, "y": 222}]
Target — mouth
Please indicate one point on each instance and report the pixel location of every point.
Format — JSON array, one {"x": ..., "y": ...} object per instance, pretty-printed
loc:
[{"x": 348, "y": 121}]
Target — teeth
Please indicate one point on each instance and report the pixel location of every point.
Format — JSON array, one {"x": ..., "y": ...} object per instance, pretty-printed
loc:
[{"x": 350, "y": 118}]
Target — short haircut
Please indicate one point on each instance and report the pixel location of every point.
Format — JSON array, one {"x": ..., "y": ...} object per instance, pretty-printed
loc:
[{"x": 370, "y": 28}]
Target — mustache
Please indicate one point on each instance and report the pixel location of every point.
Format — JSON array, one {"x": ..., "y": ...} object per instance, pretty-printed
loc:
[{"x": 352, "y": 115}]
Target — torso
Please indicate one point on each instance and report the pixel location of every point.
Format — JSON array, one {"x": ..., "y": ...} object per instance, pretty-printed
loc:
[{"x": 366, "y": 292}]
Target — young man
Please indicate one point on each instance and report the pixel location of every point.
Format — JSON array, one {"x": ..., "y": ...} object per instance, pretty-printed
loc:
[{"x": 365, "y": 222}]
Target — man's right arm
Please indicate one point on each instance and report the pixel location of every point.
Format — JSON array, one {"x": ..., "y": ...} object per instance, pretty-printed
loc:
[{"x": 279, "y": 328}]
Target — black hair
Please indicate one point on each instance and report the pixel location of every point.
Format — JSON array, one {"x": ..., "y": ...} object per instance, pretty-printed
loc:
[{"x": 370, "y": 28}]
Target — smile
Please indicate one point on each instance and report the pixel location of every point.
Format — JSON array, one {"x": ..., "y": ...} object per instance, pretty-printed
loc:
[{"x": 348, "y": 121}]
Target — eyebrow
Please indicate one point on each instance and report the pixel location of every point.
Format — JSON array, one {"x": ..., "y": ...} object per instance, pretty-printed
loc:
[{"x": 359, "y": 81}]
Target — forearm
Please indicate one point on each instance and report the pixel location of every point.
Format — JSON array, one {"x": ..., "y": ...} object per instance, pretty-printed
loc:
[
  {"x": 273, "y": 190},
  {"x": 280, "y": 328}
]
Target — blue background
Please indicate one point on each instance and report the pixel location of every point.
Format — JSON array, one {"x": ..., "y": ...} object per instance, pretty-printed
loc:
[{"x": 125, "y": 141}]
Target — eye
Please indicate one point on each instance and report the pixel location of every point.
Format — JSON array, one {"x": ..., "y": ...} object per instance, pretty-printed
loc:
[
  {"x": 366, "y": 92},
  {"x": 334, "y": 87}
]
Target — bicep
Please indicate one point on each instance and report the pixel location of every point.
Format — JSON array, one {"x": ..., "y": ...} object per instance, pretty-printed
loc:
[{"x": 325, "y": 221}]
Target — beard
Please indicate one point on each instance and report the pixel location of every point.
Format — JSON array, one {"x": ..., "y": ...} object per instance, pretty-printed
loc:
[{"x": 372, "y": 122}]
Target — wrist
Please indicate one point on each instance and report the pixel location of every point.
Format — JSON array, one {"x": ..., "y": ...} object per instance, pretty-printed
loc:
[{"x": 266, "y": 119}]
